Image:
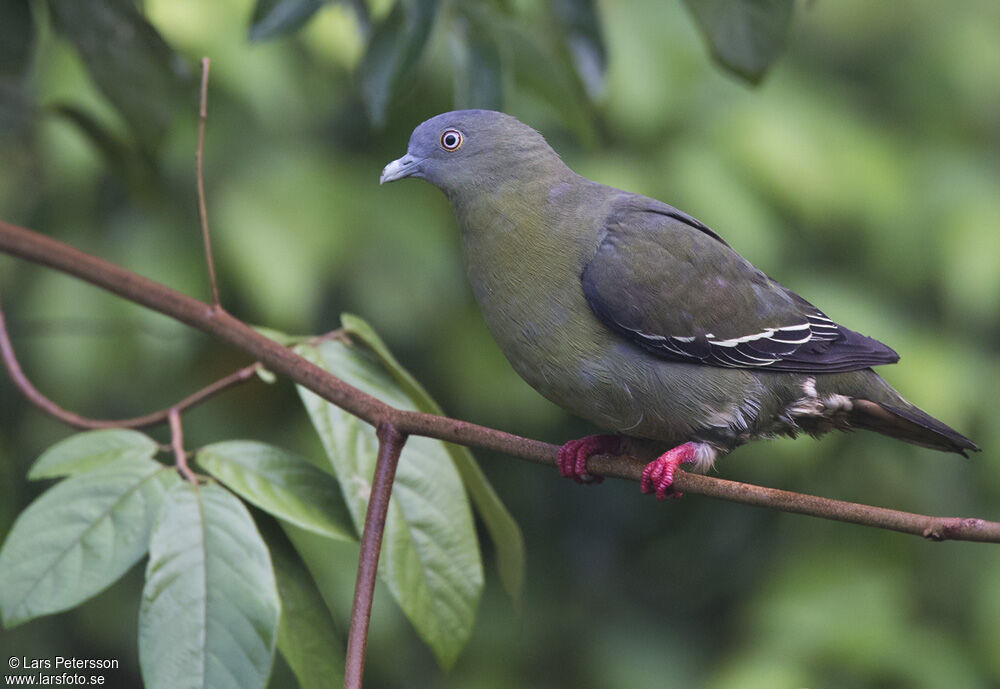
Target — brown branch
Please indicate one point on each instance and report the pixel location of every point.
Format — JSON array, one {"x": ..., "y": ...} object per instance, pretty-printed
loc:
[
  {"x": 199, "y": 158},
  {"x": 24, "y": 384},
  {"x": 177, "y": 445},
  {"x": 38, "y": 248},
  {"x": 390, "y": 444}
]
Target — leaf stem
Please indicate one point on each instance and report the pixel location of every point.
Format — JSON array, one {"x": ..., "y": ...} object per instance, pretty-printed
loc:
[{"x": 177, "y": 444}]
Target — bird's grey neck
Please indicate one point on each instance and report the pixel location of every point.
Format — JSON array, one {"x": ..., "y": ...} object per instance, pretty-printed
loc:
[{"x": 521, "y": 175}]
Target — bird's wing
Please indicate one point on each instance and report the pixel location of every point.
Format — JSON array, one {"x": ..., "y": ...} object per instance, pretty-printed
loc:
[{"x": 672, "y": 286}]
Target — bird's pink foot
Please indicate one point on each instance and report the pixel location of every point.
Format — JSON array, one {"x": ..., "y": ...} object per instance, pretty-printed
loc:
[
  {"x": 658, "y": 475},
  {"x": 573, "y": 456}
]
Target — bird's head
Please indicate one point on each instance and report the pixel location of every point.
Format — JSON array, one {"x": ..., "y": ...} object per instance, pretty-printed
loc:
[{"x": 472, "y": 149}]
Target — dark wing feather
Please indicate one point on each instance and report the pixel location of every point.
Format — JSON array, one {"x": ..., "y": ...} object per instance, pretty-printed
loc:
[{"x": 672, "y": 286}]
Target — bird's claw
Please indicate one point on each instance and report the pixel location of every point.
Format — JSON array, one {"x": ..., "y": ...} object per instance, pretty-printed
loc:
[
  {"x": 658, "y": 476},
  {"x": 573, "y": 456}
]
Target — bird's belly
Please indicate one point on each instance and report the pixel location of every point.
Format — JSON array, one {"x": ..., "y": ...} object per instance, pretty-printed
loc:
[{"x": 570, "y": 365}]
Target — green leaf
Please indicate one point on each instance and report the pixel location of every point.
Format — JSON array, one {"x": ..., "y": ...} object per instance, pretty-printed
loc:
[
  {"x": 284, "y": 339},
  {"x": 430, "y": 555},
  {"x": 500, "y": 524},
  {"x": 273, "y": 18},
  {"x": 358, "y": 328},
  {"x": 79, "y": 537},
  {"x": 745, "y": 36},
  {"x": 307, "y": 636},
  {"x": 477, "y": 67},
  {"x": 584, "y": 38},
  {"x": 132, "y": 166},
  {"x": 394, "y": 49},
  {"x": 17, "y": 37},
  {"x": 130, "y": 63},
  {"x": 210, "y": 607},
  {"x": 87, "y": 451},
  {"x": 333, "y": 565},
  {"x": 281, "y": 483},
  {"x": 538, "y": 66},
  {"x": 363, "y": 15}
]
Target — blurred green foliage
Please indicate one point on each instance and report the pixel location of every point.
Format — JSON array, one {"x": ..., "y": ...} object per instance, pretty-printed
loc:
[{"x": 862, "y": 173}]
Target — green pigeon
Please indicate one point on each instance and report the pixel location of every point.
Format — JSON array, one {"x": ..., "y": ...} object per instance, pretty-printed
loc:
[{"x": 639, "y": 318}]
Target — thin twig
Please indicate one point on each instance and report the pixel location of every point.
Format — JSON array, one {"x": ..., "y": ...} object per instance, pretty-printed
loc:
[
  {"x": 24, "y": 384},
  {"x": 390, "y": 444},
  {"x": 32, "y": 246},
  {"x": 177, "y": 444},
  {"x": 202, "y": 208}
]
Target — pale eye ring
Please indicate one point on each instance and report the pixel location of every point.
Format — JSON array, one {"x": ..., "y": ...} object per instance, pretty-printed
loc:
[{"x": 451, "y": 139}]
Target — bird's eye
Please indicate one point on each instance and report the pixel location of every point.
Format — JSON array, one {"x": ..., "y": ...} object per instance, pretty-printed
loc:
[{"x": 451, "y": 139}]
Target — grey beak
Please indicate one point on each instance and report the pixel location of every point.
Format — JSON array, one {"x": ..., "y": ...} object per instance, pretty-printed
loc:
[{"x": 399, "y": 168}]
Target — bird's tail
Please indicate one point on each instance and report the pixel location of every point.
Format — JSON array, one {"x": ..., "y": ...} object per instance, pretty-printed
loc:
[{"x": 891, "y": 415}]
